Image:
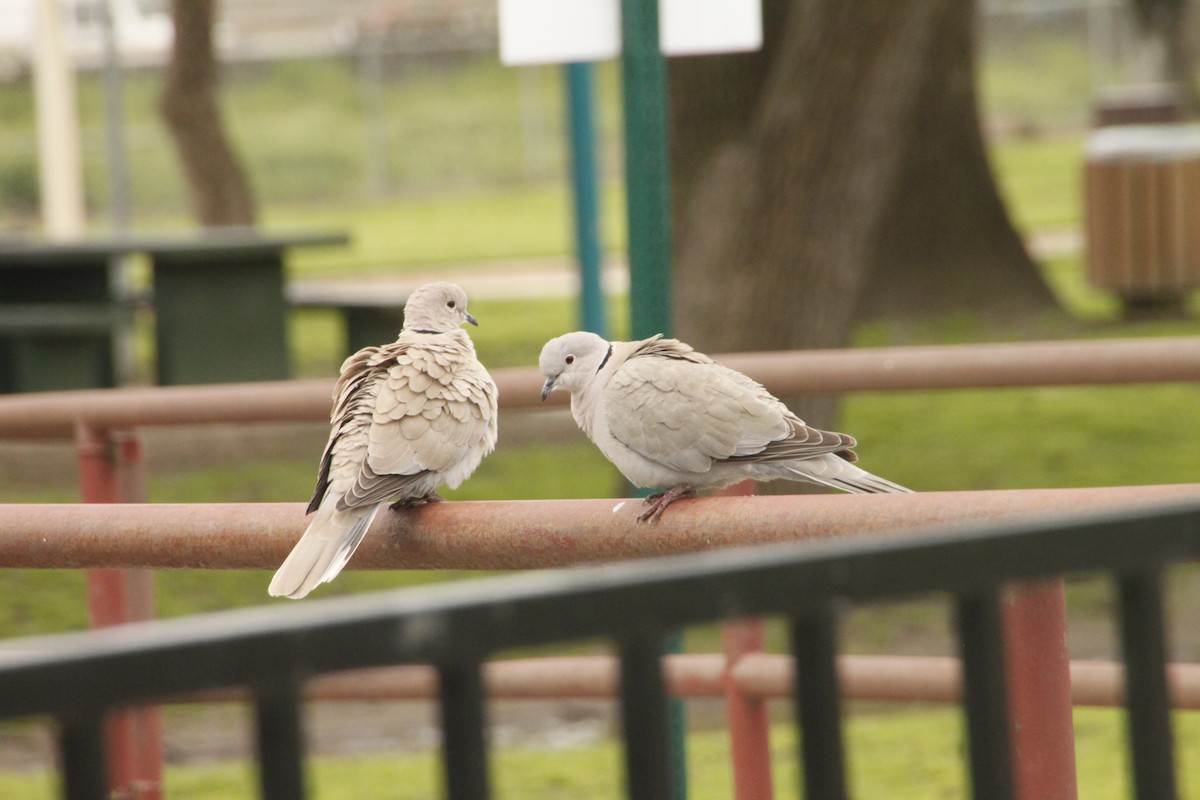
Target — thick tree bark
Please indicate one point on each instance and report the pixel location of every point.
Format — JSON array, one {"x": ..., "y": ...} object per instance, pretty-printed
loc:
[
  {"x": 946, "y": 242},
  {"x": 821, "y": 161},
  {"x": 220, "y": 193}
]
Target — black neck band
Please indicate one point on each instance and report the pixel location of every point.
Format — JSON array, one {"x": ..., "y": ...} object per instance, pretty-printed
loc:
[{"x": 607, "y": 356}]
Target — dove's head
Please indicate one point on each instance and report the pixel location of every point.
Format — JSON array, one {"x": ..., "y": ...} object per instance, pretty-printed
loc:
[
  {"x": 571, "y": 360},
  {"x": 436, "y": 308}
]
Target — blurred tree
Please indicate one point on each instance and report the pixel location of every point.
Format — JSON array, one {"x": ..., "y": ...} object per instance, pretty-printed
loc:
[
  {"x": 220, "y": 193},
  {"x": 839, "y": 172}
]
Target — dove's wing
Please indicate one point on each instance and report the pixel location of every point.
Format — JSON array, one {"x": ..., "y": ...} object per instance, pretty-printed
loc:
[
  {"x": 353, "y": 398},
  {"x": 434, "y": 410},
  {"x": 685, "y": 414}
]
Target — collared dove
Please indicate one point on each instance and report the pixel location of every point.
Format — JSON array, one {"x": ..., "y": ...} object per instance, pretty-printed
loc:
[
  {"x": 407, "y": 417},
  {"x": 671, "y": 418}
]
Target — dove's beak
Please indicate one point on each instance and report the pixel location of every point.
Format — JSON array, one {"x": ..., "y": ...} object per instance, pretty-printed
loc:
[
  {"x": 548, "y": 387},
  {"x": 472, "y": 320}
]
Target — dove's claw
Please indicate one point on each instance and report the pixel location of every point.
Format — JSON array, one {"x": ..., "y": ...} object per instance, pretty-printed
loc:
[
  {"x": 414, "y": 502},
  {"x": 659, "y": 501}
]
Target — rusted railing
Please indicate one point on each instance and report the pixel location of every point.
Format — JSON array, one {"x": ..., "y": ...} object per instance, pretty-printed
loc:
[
  {"x": 755, "y": 675},
  {"x": 511, "y": 534},
  {"x": 1075, "y": 363},
  {"x": 533, "y": 534}
]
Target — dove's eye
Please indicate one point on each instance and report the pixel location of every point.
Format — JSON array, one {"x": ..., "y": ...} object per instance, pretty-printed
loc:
[
  {"x": 450, "y": 304},
  {"x": 570, "y": 359}
]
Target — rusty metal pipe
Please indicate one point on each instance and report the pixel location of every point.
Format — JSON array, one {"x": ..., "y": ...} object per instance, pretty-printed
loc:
[
  {"x": 926, "y": 679},
  {"x": 974, "y": 366},
  {"x": 55, "y": 415},
  {"x": 508, "y": 535}
]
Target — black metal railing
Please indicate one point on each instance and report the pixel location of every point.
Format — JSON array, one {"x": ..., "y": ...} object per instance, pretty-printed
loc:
[{"x": 76, "y": 678}]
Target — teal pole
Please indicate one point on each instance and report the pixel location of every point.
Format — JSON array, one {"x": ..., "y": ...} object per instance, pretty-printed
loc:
[
  {"x": 585, "y": 193},
  {"x": 647, "y": 184},
  {"x": 647, "y": 189}
]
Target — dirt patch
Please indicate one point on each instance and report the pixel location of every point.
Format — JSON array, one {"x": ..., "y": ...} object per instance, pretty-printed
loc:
[{"x": 222, "y": 732}]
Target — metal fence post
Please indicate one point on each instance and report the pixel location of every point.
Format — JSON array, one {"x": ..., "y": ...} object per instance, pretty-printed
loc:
[
  {"x": 111, "y": 471},
  {"x": 979, "y": 618},
  {"x": 462, "y": 700},
  {"x": 651, "y": 738},
  {"x": 1039, "y": 679},
  {"x": 1147, "y": 695},
  {"x": 749, "y": 723},
  {"x": 748, "y": 718},
  {"x": 817, "y": 701}
]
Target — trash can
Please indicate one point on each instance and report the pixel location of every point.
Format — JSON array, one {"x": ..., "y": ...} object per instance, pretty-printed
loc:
[{"x": 1142, "y": 213}]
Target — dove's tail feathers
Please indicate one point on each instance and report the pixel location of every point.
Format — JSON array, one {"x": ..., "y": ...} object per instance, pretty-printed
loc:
[
  {"x": 842, "y": 475},
  {"x": 331, "y": 538},
  {"x": 868, "y": 484}
]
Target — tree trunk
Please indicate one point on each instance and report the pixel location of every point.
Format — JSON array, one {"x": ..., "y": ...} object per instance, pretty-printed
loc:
[
  {"x": 814, "y": 176},
  {"x": 946, "y": 242},
  {"x": 220, "y": 193}
]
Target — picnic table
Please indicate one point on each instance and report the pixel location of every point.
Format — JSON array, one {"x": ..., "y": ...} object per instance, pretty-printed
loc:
[
  {"x": 370, "y": 314},
  {"x": 218, "y": 295}
]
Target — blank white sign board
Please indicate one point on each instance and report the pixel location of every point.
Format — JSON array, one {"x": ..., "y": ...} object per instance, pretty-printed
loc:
[
  {"x": 562, "y": 31},
  {"x": 695, "y": 27},
  {"x": 559, "y": 31}
]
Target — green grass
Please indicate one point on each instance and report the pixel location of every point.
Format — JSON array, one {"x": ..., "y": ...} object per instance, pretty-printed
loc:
[
  {"x": 1026, "y": 438},
  {"x": 1015, "y": 84},
  {"x": 455, "y": 229},
  {"x": 449, "y": 125},
  {"x": 445, "y": 127},
  {"x": 908, "y": 752},
  {"x": 1041, "y": 180}
]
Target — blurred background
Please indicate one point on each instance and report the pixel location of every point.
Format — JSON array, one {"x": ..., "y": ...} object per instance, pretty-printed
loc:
[
  {"x": 371, "y": 103},
  {"x": 881, "y": 173}
]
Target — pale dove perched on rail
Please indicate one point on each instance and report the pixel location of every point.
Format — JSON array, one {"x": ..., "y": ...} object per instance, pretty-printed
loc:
[
  {"x": 671, "y": 418},
  {"x": 407, "y": 417}
]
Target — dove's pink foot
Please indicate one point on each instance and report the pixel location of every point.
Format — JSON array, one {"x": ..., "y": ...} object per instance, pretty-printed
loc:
[
  {"x": 659, "y": 501},
  {"x": 416, "y": 502}
]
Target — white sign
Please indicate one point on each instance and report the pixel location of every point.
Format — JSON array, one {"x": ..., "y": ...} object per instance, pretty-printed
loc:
[
  {"x": 559, "y": 31},
  {"x": 695, "y": 27},
  {"x": 562, "y": 31}
]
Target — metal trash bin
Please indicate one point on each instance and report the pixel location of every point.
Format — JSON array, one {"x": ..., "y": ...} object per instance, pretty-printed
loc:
[{"x": 1142, "y": 213}]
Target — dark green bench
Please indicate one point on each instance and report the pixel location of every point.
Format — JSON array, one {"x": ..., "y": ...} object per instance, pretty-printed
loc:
[
  {"x": 220, "y": 308},
  {"x": 369, "y": 315},
  {"x": 59, "y": 322}
]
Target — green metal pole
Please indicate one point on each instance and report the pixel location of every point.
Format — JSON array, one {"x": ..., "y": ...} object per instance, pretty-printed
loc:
[
  {"x": 648, "y": 199},
  {"x": 585, "y": 193},
  {"x": 647, "y": 183}
]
